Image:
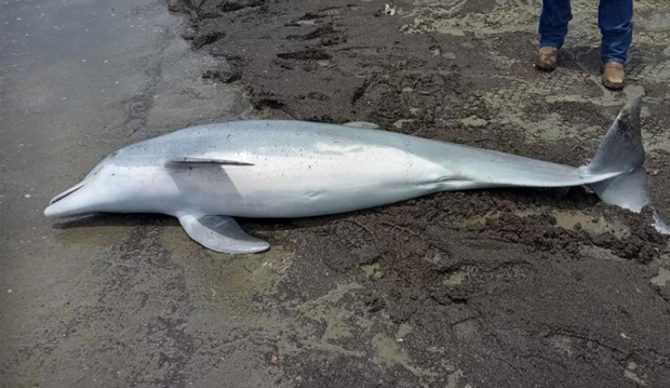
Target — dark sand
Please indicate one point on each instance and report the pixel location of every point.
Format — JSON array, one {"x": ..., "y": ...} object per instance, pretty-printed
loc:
[
  {"x": 495, "y": 288},
  {"x": 488, "y": 288}
]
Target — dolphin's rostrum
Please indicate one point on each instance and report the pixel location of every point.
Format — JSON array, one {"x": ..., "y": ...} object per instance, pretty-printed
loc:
[{"x": 208, "y": 174}]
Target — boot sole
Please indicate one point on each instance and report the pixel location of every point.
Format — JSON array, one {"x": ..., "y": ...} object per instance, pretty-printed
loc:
[
  {"x": 613, "y": 86},
  {"x": 544, "y": 67}
]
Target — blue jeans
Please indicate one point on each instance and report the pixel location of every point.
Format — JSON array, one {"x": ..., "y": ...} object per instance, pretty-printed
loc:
[{"x": 615, "y": 19}]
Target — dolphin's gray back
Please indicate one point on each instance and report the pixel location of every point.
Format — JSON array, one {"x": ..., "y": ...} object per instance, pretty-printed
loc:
[{"x": 264, "y": 137}]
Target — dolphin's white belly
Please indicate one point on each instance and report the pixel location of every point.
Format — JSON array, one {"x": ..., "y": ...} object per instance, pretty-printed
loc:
[{"x": 328, "y": 179}]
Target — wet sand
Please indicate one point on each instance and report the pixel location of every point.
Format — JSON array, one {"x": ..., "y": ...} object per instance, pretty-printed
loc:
[{"x": 480, "y": 289}]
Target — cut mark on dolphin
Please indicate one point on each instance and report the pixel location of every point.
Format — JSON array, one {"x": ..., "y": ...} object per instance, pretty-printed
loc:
[
  {"x": 179, "y": 162},
  {"x": 300, "y": 169},
  {"x": 362, "y": 124}
]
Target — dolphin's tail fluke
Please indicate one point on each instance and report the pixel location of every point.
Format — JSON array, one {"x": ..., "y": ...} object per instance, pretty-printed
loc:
[
  {"x": 621, "y": 151},
  {"x": 627, "y": 190}
]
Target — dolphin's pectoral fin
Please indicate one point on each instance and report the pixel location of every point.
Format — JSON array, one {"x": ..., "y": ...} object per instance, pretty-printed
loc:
[
  {"x": 221, "y": 234},
  {"x": 362, "y": 124},
  {"x": 192, "y": 162}
]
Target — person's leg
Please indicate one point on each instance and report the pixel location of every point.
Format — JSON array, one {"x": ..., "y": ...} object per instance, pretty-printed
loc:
[
  {"x": 615, "y": 19},
  {"x": 556, "y": 15}
]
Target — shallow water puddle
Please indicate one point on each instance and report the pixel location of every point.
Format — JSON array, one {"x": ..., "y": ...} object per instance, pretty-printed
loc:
[
  {"x": 571, "y": 220},
  {"x": 663, "y": 277},
  {"x": 590, "y": 224},
  {"x": 389, "y": 354}
]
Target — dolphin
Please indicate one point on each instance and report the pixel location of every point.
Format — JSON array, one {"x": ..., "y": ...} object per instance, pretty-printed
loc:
[{"x": 208, "y": 174}]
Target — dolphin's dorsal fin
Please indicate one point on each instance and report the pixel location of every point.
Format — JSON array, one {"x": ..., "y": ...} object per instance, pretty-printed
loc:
[
  {"x": 191, "y": 162},
  {"x": 220, "y": 234},
  {"x": 361, "y": 124}
]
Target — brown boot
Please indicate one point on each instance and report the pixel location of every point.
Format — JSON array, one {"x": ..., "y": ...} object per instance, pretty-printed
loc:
[
  {"x": 613, "y": 75},
  {"x": 547, "y": 58}
]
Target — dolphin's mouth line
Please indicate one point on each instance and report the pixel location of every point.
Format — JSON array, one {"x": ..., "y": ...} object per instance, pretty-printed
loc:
[{"x": 66, "y": 192}]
